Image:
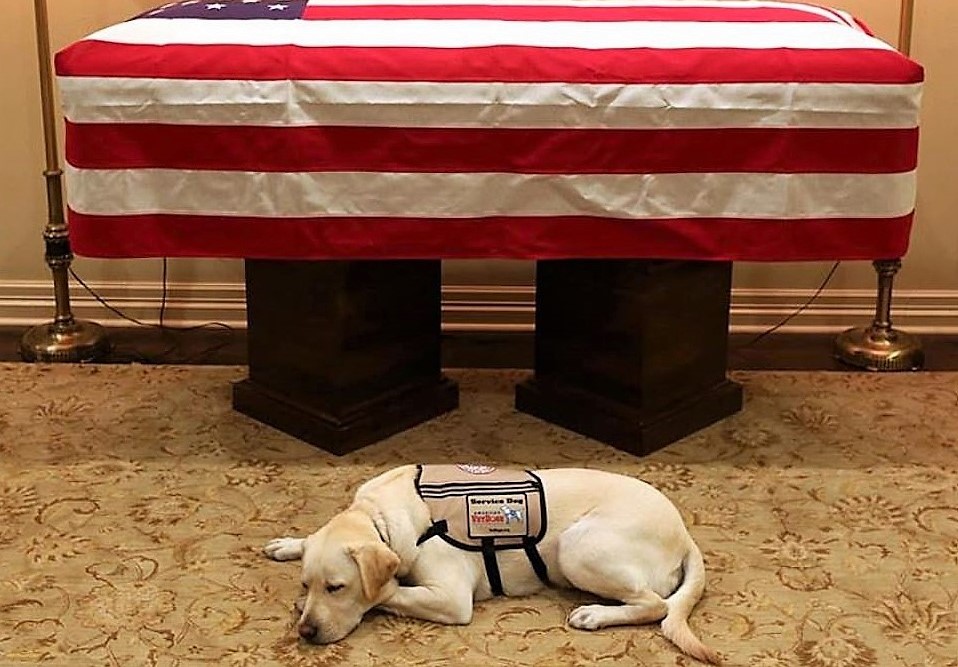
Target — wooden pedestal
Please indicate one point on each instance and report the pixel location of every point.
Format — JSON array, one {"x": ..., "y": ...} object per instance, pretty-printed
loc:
[
  {"x": 630, "y": 352},
  {"x": 344, "y": 353}
]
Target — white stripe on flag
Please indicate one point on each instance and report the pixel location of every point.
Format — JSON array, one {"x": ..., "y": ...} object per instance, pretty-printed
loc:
[
  {"x": 456, "y": 195},
  {"x": 479, "y": 33},
  {"x": 707, "y": 4},
  {"x": 515, "y": 105}
]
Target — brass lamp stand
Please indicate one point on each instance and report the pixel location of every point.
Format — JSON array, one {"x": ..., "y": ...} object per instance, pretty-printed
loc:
[
  {"x": 880, "y": 347},
  {"x": 65, "y": 339}
]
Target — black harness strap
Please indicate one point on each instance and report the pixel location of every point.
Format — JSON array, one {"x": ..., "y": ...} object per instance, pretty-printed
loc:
[
  {"x": 539, "y": 565},
  {"x": 438, "y": 528},
  {"x": 492, "y": 565},
  {"x": 489, "y": 556}
]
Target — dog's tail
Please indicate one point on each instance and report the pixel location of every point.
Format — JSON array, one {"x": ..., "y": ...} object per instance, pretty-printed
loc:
[{"x": 675, "y": 625}]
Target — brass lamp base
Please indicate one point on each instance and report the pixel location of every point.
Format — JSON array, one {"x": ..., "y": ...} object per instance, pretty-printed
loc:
[
  {"x": 71, "y": 342},
  {"x": 880, "y": 349}
]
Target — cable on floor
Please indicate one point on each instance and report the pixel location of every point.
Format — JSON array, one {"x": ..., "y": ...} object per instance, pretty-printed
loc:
[
  {"x": 790, "y": 317},
  {"x": 166, "y": 330}
]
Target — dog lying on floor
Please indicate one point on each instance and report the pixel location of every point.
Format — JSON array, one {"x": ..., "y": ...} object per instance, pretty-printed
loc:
[{"x": 607, "y": 534}]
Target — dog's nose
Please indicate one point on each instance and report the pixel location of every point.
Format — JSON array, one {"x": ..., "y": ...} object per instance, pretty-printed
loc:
[{"x": 307, "y": 631}]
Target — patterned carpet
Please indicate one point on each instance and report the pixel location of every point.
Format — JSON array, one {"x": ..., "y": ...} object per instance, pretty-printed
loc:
[{"x": 135, "y": 502}]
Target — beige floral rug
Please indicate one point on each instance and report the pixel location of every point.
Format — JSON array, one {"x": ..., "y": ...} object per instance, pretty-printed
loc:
[{"x": 134, "y": 503}]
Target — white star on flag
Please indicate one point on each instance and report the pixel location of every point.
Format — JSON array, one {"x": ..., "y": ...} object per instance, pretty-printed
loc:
[
  {"x": 250, "y": 2},
  {"x": 275, "y": 7},
  {"x": 215, "y": 5}
]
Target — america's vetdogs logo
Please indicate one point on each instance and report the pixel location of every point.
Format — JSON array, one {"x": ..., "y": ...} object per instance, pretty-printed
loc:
[{"x": 497, "y": 515}]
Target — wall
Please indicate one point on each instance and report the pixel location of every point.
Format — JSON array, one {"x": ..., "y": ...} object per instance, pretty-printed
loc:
[{"x": 478, "y": 293}]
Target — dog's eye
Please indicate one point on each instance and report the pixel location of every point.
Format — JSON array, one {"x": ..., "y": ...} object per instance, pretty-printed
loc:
[{"x": 334, "y": 588}]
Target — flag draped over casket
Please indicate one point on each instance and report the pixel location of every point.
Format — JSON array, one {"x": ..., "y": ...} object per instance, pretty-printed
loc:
[{"x": 506, "y": 128}]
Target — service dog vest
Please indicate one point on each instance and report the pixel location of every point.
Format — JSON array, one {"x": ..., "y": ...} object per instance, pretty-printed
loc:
[{"x": 486, "y": 509}]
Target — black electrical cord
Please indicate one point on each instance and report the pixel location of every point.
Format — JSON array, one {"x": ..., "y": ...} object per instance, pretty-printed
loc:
[
  {"x": 163, "y": 357},
  {"x": 800, "y": 310}
]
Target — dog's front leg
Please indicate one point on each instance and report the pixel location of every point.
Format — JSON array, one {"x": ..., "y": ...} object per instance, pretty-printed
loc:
[
  {"x": 285, "y": 548},
  {"x": 448, "y": 604}
]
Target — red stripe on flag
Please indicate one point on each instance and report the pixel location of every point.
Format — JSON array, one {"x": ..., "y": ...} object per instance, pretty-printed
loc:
[
  {"x": 498, "y": 63},
  {"x": 452, "y": 150},
  {"x": 515, "y": 238},
  {"x": 564, "y": 13}
]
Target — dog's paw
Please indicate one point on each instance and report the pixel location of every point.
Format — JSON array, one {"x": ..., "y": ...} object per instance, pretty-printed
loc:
[
  {"x": 284, "y": 548},
  {"x": 588, "y": 617}
]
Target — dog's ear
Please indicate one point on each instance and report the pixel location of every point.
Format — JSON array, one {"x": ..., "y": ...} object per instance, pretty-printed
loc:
[{"x": 377, "y": 564}]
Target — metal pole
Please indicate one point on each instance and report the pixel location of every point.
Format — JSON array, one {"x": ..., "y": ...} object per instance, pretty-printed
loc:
[
  {"x": 881, "y": 347},
  {"x": 65, "y": 339},
  {"x": 905, "y": 26}
]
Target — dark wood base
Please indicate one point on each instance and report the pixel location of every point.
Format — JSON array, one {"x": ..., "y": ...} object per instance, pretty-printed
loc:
[
  {"x": 307, "y": 418},
  {"x": 625, "y": 427},
  {"x": 632, "y": 353},
  {"x": 344, "y": 353}
]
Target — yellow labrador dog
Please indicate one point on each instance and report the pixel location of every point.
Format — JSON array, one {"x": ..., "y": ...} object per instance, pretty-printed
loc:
[{"x": 607, "y": 534}]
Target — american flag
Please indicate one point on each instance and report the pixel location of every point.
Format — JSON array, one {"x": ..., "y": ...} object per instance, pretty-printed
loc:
[{"x": 698, "y": 129}]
